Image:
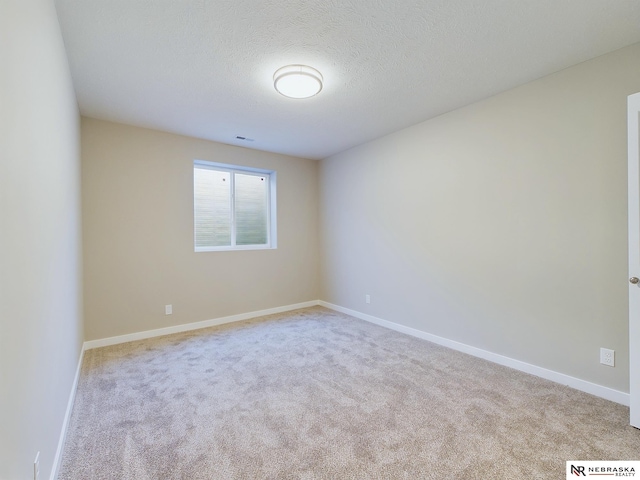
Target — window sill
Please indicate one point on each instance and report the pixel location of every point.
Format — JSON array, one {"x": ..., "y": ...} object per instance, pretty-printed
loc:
[{"x": 233, "y": 249}]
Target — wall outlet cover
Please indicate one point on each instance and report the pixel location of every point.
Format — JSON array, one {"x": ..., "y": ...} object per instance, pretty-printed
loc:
[{"x": 608, "y": 357}]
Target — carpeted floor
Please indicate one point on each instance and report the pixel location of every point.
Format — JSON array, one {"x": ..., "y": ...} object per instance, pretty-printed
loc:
[{"x": 314, "y": 394}]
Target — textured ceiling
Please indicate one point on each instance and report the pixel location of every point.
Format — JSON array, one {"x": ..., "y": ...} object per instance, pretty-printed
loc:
[{"x": 204, "y": 67}]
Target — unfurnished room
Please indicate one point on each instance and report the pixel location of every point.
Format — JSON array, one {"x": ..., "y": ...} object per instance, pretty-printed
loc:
[{"x": 319, "y": 240}]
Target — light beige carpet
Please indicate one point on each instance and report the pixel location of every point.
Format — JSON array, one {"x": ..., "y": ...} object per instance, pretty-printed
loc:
[{"x": 315, "y": 394}]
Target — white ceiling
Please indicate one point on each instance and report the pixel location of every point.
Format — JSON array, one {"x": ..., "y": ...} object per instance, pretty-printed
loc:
[{"x": 204, "y": 68}]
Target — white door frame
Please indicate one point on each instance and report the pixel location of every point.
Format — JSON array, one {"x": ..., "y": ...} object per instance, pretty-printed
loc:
[{"x": 634, "y": 257}]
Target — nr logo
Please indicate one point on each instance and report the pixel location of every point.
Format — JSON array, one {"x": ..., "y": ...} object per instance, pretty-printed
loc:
[{"x": 578, "y": 471}]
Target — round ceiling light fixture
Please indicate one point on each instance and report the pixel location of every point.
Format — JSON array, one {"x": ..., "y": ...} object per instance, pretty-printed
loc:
[{"x": 297, "y": 81}]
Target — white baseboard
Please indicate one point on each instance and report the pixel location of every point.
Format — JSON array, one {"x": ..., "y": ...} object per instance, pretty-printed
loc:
[
  {"x": 561, "y": 378},
  {"x": 67, "y": 417},
  {"x": 103, "y": 342}
]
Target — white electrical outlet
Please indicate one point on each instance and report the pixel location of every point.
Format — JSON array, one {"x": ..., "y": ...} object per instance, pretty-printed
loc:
[
  {"x": 168, "y": 309},
  {"x": 36, "y": 467},
  {"x": 608, "y": 357},
  {"x": 367, "y": 298}
]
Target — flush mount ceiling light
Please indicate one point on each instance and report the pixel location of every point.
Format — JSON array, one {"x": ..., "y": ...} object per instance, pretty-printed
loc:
[{"x": 297, "y": 81}]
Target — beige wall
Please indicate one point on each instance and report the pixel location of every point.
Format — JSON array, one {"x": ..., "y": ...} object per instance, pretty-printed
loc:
[
  {"x": 137, "y": 192},
  {"x": 40, "y": 292},
  {"x": 501, "y": 225}
]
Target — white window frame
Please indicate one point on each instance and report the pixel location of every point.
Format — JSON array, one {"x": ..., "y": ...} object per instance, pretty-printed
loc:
[{"x": 270, "y": 175}]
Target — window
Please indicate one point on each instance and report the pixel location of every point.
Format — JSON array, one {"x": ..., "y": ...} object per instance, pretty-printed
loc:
[{"x": 234, "y": 207}]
